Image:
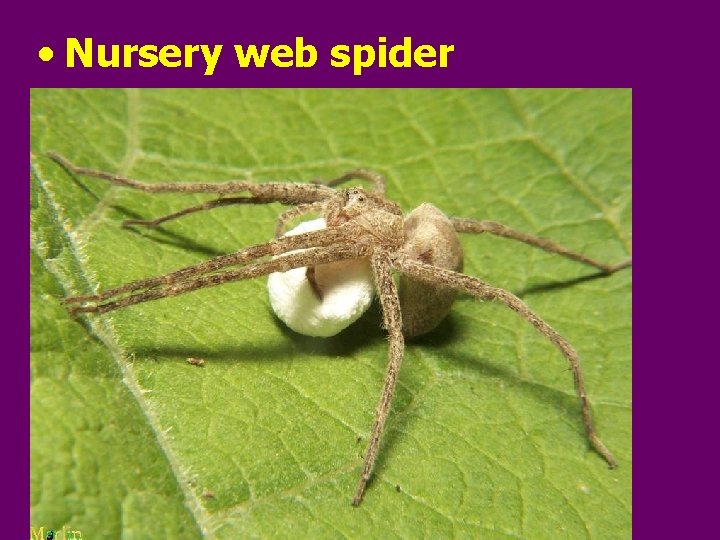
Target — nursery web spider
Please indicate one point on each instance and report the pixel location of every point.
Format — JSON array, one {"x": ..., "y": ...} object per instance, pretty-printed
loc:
[{"x": 423, "y": 247}]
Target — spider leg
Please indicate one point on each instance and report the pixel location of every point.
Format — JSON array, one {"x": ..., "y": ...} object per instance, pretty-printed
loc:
[
  {"x": 498, "y": 229},
  {"x": 377, "y": 180},
  {"x": 283, "y": 192},
  {"x": 483, "y": 291},
  {"x": 282, "y": 263},
  {"x": 392, "y": 320},
  {"x": 278, "y": 246},
  {"x": 225, "y": 201},
  {"x": 296, "y": 211}
]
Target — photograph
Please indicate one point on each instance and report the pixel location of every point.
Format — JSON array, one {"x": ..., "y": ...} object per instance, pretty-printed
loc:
[{"x": 323, "y": 313}]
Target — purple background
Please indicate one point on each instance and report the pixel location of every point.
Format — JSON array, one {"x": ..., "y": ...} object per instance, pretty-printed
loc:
[
  {"x": 663, "y": 53},
  {"x": 517, "y": 45}
]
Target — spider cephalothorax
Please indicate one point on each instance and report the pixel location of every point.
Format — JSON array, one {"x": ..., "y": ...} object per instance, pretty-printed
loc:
[{"x": 359, "y": 224}]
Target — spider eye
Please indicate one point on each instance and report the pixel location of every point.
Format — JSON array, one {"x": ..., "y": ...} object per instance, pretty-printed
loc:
[{"x": 355, "y": 195}]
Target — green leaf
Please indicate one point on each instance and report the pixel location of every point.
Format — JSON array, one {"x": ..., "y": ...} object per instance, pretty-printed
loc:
[{"x": 485, "y": 437}]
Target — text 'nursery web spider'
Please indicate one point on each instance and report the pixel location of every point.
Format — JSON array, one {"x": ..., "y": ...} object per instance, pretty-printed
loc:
[{"x": 423, "y": 247}]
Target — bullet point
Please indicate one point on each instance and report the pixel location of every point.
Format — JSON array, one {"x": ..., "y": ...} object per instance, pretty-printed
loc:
[{"x": 45, "y": 54}]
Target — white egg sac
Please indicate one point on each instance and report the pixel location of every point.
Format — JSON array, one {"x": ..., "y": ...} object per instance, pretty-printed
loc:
[{"x": 346, "y": 288}]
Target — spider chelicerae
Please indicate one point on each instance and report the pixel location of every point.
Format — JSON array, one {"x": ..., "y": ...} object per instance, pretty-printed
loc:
[{"x": 423, "y": 247}]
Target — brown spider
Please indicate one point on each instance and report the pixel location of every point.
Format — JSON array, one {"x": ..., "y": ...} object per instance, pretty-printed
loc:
[{"x": 423, "y": 247}]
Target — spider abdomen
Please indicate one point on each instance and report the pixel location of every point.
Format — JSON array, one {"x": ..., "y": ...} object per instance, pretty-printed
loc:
[{"x": 429, "y": 238}]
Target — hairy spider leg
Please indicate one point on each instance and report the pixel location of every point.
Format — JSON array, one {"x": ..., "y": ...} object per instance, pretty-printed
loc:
[
  {"x": 377, "y": 180},
  {"x": 209, "y": 205},
  {"x": 297, "y": 211},
  {"x": 278, "y": 246},
  {"x": 392, "y": 321},
  {"x": 483, "y": 291},
  {"x": 282, "y": 263},
  {"x": 301, "y": 209},
  {"x": 466, "y": 225},
  {"x": 283, "y": 192}
]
